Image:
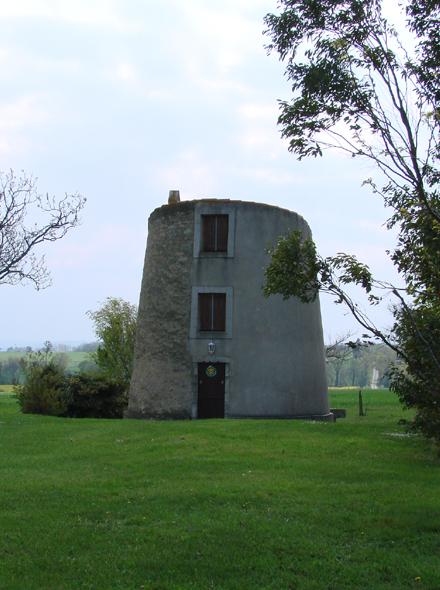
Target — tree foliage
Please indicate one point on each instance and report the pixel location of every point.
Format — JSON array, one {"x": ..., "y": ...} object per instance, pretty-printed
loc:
[
  {"x": 27, "y": 220},
  {"x": 115, "y": 327},
  {"x": 359, "y": 88}
]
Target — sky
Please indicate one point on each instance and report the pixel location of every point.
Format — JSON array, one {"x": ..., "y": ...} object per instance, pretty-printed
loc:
[{"x": 123, "y": 100}]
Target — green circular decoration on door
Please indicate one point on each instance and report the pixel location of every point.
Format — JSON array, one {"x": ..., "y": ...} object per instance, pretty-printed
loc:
[{"x": 211, "y": 371}]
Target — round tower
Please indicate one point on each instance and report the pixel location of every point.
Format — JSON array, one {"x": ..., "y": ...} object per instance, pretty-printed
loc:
[{"x": 209, "y": 344}]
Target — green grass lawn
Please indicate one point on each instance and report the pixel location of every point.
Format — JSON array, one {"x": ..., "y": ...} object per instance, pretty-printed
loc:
[{"x": 221, "y": 504}]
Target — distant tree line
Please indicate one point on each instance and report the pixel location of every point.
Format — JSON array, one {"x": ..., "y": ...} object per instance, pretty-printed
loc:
[
  {"x": 19, "y": 349},
  {"x": 353, "y": 366},
  {"x": 10, "y": 371},
  {"x": 11, "y": 368},
  {"x": 83, "y": 347},
  {"x": 86, "y": 347}
]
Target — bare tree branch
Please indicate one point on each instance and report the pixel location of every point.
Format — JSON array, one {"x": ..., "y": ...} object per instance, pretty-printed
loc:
[{"x": 27, "y": 220}]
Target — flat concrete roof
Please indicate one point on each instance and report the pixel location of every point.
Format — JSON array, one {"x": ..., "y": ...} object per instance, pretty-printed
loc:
[{"x": 189, "y": 204}]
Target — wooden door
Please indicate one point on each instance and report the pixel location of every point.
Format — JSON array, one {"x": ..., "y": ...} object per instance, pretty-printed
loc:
[{"x": 211, "y": 390}]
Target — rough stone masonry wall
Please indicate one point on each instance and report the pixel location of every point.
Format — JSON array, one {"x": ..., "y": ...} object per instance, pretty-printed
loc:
[{"x": 161, "y": 380}]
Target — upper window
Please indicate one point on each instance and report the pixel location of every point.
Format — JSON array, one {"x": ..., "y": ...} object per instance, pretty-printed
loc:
[
  {"x": 215, "y": 233},
  {"x": 212, "y": 312}
]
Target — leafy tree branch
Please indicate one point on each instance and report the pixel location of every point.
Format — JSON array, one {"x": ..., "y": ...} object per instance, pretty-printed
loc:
[{"x": 357, "y": 87}]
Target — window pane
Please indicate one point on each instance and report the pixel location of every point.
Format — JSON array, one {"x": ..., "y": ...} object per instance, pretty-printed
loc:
[
  {"x": 205, "y": 311},
  {"x": 219, "y": 307},
  {"x": 222, "y": 233},
  {"x": 212, "y": 312},
  {"x": 208, "y": 233},
  {"x": 215, "y": 233}
]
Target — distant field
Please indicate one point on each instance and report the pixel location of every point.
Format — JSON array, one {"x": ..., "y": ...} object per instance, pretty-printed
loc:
[
  {"x": 73, "y": 358},
  {"x": 6, "y": 389},
  {"x": 219, "y": 504}
]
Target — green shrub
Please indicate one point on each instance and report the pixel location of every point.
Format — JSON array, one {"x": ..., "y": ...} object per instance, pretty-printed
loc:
[
  {"x": 88, "y": 366},
  {"x": 91, "y": 395},
  {"x": 43, "y": 387},
  {"x": 46, "y": 389}
]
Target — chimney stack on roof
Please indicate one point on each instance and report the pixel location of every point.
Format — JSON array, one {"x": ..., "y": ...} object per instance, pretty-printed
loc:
[{"x": 174, "y": 197}]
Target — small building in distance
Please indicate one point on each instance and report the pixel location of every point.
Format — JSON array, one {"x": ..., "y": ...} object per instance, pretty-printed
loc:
[{"x": 209, "y": 344}]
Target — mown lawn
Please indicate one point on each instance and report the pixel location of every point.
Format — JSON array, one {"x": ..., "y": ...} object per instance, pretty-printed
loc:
[{"x": 100, "y": 504}]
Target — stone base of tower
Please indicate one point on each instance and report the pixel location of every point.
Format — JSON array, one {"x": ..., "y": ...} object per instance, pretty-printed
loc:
[
  {"x": 316, "y": 417},
  {"x": 140, "y": 415}
]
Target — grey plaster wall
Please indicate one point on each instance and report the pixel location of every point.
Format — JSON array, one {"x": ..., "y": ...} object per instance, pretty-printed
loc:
[
  {"x": 276, "y": 352},
  {"x": 161, "y": 384}
]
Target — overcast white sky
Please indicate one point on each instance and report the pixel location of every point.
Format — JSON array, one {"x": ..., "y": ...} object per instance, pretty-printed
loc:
[{"x": 122, "y": 100}]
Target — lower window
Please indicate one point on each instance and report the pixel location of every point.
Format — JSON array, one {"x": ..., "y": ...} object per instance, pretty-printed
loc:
[{"x": 212, "y": 312}]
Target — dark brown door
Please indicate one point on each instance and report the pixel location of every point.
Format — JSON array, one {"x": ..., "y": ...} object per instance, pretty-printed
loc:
[{"x": 211, "y": 390}]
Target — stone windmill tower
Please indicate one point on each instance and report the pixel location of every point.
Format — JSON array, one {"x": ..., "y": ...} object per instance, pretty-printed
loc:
[{"x": 208, "y": 343}]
